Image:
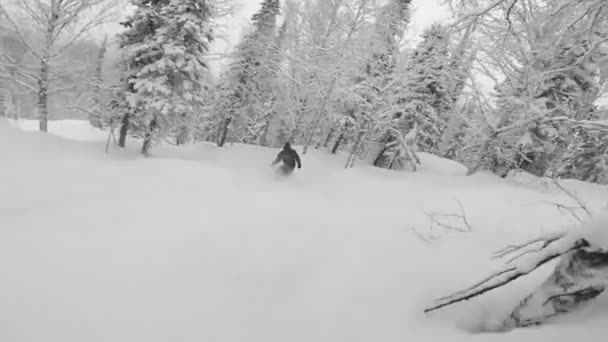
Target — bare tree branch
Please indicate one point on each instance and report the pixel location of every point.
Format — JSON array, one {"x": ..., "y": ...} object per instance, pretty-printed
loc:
[
  {"x": 18, "y": 31},
  {"x": 439, "y": 220},
  {"x": 514, "y": 248},
  {"x": 571, "y": 195}
]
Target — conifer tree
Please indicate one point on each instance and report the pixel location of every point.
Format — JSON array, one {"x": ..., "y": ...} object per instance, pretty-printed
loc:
[
  {"x": 165, "y": 45},
  {"x": 246, "y": 110},
  {"x": 376, "y": 79},
  {"x": 424, "y": 100}
]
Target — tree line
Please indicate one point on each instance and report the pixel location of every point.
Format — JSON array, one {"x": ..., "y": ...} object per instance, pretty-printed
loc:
[{"x": 506, "y": 85}]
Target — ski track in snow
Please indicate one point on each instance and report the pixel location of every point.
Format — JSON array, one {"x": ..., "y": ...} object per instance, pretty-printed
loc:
[{"x": 203, "y": 244}]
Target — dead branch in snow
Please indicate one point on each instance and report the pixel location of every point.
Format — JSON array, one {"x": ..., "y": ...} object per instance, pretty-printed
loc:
[
  {"x": 562, "y": 208},
  {"x": 546, "y": 241},
  {"x": 574, "y": 197},
  {"x": 521, "y": 252},
  {"x": 440, "y": 220},
  {"x": 508, "y": 274},
  {"x": 426, "y": 239}
]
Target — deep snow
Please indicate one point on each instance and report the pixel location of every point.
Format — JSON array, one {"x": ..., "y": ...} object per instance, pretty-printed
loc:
[{"x": 204, "y": 244}]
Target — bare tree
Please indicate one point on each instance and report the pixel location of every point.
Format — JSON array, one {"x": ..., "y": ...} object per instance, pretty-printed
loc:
[{"x": 59, "y": 24}]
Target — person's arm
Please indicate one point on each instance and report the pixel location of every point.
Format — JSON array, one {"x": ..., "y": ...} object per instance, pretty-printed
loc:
[
  {"x": 276, "y": 161},
  {"x": 298, "y": 161}
]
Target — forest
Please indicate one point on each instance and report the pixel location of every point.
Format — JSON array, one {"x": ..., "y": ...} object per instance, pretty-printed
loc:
[{"x": 505, "y": 85}]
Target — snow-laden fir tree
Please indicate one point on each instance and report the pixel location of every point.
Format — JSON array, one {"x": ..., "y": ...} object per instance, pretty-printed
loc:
[
  {"x": 368, "y": 95},
  {"x": 139, "y": 34},
  {"x": 165, "y": 45},
  {"x": 425, "y": 98},
  {"x": 247, "y": 109}
]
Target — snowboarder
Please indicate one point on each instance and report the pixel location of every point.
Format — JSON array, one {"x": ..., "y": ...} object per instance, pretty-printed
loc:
[{"x": 290, "y": 158}]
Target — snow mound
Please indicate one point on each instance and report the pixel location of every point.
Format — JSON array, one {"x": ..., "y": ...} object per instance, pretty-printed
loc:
[
  {"x": 528, "y": 179},
  {"x": 441, "y": 166},
  {"x": 80, "y": 130}
]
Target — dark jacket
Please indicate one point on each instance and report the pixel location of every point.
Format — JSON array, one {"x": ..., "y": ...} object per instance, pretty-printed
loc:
[{"x": 289, "y": 157}]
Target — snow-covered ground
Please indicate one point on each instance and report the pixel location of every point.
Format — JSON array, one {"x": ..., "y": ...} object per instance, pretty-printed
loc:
[{"x": 204, "y": 244}]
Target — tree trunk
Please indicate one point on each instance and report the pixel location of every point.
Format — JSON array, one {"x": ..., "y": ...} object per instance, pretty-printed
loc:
[
  {"x": 393, "y": 160},
  {"x": 43, "y": 77},
  {"x": 43, "y": 80},
  {"x": 223, "y": 132},
  {"x": 380, "y": 156},
  {"x": 124, "y": 129},
  {"x": 330, "y": 134},
  {"x": 355, "y": 150},
  {"x": 263, "y": 141},
  {"x": 145, "y": 149},
  {"x": 337, "y": 143}
]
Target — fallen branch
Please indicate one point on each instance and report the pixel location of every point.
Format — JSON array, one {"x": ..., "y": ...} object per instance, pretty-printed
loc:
[
  {"x": 439, "y": 220},
  {"x": 515, "y": 248},
  {"x": 504, "y": 277},
  {"x": 428, "y": 239},
  {"x": 571, "y": 195},
  {"x": 567, "y": 209}
]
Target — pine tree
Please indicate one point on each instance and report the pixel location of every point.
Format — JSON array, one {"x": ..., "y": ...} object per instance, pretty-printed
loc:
[
  {"x": 165, "y": 47},
  {"x": 248, "y": 108},
  {"x": 376, "y": 79},
  {"x": 425, "y": 99},
  {"x": 139, "y": 34},
  {"x": 429, "y": 86}
]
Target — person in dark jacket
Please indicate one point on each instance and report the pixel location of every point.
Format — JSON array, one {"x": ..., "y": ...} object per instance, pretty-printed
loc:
[{"x": 290, "y": 158}]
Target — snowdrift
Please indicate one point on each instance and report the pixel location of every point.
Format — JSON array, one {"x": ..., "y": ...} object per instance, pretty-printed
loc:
[
  {"x": 200, "y": 243},
  {"x": 71, "y": 129}
]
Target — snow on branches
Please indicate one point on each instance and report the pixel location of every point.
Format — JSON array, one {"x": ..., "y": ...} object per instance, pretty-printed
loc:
[{"x": 580, "y": 276}]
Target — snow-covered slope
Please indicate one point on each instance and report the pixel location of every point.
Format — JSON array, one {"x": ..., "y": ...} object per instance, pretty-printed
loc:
[
  {"x": 204, "y": 244},
  {"x": 71, "y": 129}
]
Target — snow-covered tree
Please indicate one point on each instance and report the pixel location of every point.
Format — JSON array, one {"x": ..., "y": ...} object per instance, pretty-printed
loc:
[
  {"x": 545, "y": 62},
  {"x": 373, "y": 85},
  {"x": 425, "y": 97},
  {"x": 249, "y": 106},
  {"x": 586, "y": 158},
  {"x": 165, "y": 46},
  {"x": 329, "y": 56}
]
